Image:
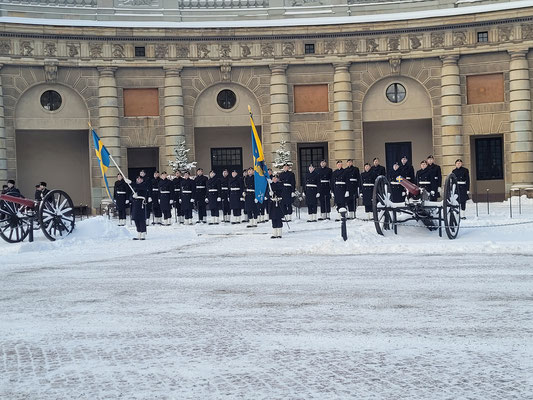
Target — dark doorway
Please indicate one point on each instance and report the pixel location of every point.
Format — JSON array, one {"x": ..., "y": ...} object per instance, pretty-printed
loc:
[
  {"x": 146, "y": 158},
  {"x": 395, "y": 151},
  {"x": 229, "y": 158},
  {"x": 310, "y": 153}
]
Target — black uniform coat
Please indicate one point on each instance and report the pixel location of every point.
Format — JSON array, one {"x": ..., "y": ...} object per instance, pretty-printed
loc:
[
  {"x": 121, "y": 193},
  {"x": 397, "y": 190},
  {"x": 367, "y": 186},
  {"x": 426, "y": 179},
  {"x": 353, "y": 178},
  {"x": 275, "y": 211},
  {"x": 408, "y": 172},
  {"x": 176, "y": 187},
  {"x": 166, "y": 193},
  {"x": 224, "y": 192},
  {"x": 312, "y": 183},
  {"x": 325, "y": 178},
  {"x": 213, "y": 193},
  {"x": 379, "y": 170},
  {"x": 187, "y": 193},
  {"x": 138, "y": 209},
  {"x": 437, "y": 176},
  {"x": 288, "y": 180},
  {"x": 200, "y": 183},
  {"x": 236, "y": 187},
  {"x": 463, "y": 183},
  {"x": 338, "y": 186}
]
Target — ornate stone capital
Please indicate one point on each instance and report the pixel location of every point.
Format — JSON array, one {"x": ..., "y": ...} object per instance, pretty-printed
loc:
[
  {"x": 173, "y": 70},
  {"x": 342, "y": 66},
  {"x": 450, "y": 59},
  {"x": 278, "y": 68},
  {"x": 519, "y": 54},
  {"x": 107, "y": 71}
]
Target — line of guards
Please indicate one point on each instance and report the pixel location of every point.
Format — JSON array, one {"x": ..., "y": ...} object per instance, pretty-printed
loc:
[{"x": 232, "y": 197}]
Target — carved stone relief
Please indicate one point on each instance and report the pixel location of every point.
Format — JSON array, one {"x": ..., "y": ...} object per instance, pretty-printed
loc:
[
  {"x": 95, "y": 50},
  {"x": 118, "y": 51},
  {"x": 288, "y": 49},
  {"x": 459, "y": 38},
  {"x": 225, "y": 70},
  {"x": 161, "y": 51},
  {"x": 26, "y": 49},
  {"x": 245, "y": 50},
  {"x": 505, "y": 33},
  {"x": 50, "y": 72},
  {"x": 267, "y": 49},
  {"x": 330, "y": 47},
  {"x": 182, "y": 51},
  {"x": 415, "y": 42},
  {"x": 73, "y": 49},
  {"x": 394, "y": 43},
  {"x": 371, "y": 45},
  {"x": 225, "y": 51},
  {"x": 437, "y": 40},
  {"x": 527, "y": 31},
  {"x": 395, "y": 65},
  {"x": 350, "y": 46},
  {"x": 203, "y": 50},
  {"x": 50, "y": 49},
  {"x": 5, "y": 47}
]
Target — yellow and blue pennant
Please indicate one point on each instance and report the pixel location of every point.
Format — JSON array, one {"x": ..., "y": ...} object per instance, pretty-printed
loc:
[
  {"x": 260, "y": 168},
  {"x": 103, "y": 158}
]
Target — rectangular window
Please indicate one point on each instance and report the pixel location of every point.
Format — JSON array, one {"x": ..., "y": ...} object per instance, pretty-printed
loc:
[
  {"x": 229, "y": 158},
  {"x": 309, "y": 48},
  {"x": 489, "y": 159},
  {"x": 484, "y": 89},
  {"x": 311, "y": 98},
  {"x": 311, "y": 153},
  {"x": 140, "y": 51},
  {"x": 141, "y": 102},
  {"x": 483, "y": 37}
]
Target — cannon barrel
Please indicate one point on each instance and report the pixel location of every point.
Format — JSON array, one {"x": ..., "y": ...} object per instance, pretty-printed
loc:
[
  {"x": 410, "y": 187},
  {"x": 18, "y": 200}
]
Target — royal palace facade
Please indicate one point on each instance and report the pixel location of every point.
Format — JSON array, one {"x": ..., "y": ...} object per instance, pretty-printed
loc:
[{"x": 336, "y": 80}]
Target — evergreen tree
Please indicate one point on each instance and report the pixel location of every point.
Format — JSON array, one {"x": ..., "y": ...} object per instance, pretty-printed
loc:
[
  {"x": 283, "y": 156},
  {"x": 182, "y": 161}
]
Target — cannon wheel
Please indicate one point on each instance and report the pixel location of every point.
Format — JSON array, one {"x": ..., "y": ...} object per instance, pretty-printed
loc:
[
  {"x": 381, "y": 200},
  {"x": 56, "y": 215},
  {"x": 14, "y": 223},
  {"x": 451, "y": 207}
]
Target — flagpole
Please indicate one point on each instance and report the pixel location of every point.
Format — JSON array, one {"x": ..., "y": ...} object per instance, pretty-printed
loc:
[{"x": 269, "y": 177}]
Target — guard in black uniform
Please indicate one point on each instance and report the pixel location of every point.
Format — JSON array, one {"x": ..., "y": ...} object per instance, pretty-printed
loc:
[
  {"x": 224, "y": 195},
  {"x": 235, "y": 195},
  {"x": 243, "y": 200},
  {"x": 288, "y": 180},
  {"x": 250, "y": 202},
  {"x": 463, "y": 185},
  {"x": 176, "y": 187},
  {"x": 407, "y": 170},
  {"x": 377, "y": 168},
  {"x": 44, "y": 190},
  {"x": 200, "y": 183},
  {"x": 276, "y": 211},
  {"x": 139, "y": 206},
  {"x": 166, "y": 193},
  {"x": 338, "y": 188},
  {"x": 156, "y": 207},
  {"x": 121, "y": 195},
  {"x": 353, "y": 183},
  {"x": 312, "y": 182},
  {"x": 397, "y": 190},
  {"x": 214, "y": 201},
  {"x": 425, "y": 179},
  {"x": 148, "y": 183},
  {"x": 187, "y": 197},
  {"x": 324, "y": 172},
  {"x": 11, "y": 190},
  {"x": 437, "y": 177},
  {"x": 368, "y": 178}
]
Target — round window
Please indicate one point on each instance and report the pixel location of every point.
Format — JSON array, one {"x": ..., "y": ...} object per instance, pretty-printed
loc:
[
  {"x": 226, "y": 99},
  {"x": 396, "y": 93},
  {"x": 51, "y": 100}
]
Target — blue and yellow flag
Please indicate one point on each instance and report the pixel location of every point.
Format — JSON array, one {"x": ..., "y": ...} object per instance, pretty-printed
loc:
[
  {"x": 260, "y": 169},
  {"x": 103, "y": 158}
]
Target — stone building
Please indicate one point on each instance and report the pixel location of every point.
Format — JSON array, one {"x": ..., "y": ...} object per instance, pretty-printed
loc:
[{"x": 336, "y": 80}]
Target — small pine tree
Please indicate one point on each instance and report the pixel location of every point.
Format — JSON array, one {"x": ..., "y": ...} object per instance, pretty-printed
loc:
[
  {"x": 283, "y": 156},
  {"x": 182, "y": 162}
]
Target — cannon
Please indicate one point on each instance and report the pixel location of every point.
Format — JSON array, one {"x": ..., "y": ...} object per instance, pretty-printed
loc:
[
  {"x": 19, "y": 216},
  {"x": 435, "y": 215}
]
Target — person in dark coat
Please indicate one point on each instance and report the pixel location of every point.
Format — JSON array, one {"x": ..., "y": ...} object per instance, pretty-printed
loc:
[
  {"x": 250, "y": 201},
  {"x": 243, "y": 200},
  {"x": 288, "y": 180},
  {"x": 368, "y": 179},
  {"x": 276, "y": 210},
  {"x": 353, "y": 179},
  {"x": 236, "y": 187},
  {"x": 200, "y": 183},
  {"x": 156, "y": 207},
  {"x": 312, "y": 183},
  {"x": 214, "y": 201},
  {"x": 37, "y": 192},
  {"x": 187, "y": 197},
  {"x": 176, "y": 185},
  {"x": 377, "y": 168},
  {"x": 437, "y": 177},
  {"x": 425, "y": 179},
  {"x": 44, "y": 190},
  {"x": 11, "y": 190},
  {"x": 166, "y": 193},
  {"x": 138, "y": 210},
  {"x": 224, "y": 195},
  {"x": 121, "y": 195},
  {"x": 324, "y": 173},
  {"x": 338, "y": 187},
  {"x": 463, "y": 184},
  {"x": 397, "y": 190},
  {"x": 407, "y": 170},
  {"x": 148, "y": 182}
]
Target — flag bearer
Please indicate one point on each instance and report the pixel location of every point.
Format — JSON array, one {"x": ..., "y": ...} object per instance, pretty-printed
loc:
[
  {"x": 156, "y": 207},
  {"x": 250, "y": 202},
  {"x": 235, "y": 195},
  {"x": 187, "y": 197},
  {"x": 176, "y": 183},
  {"x": 200, "y": 183},
  {"x": 224, "y": 195},
  {"x": 324, "y": 172},
  {"x": 165, "y": 198},
  {"x": 312, "y": 182},
  {"x": 139, "y": 207},
  {"x": 338, "y": 187},
  {"x": 214, "y": 201},
  {"x": 463, "y": 184},
  {"x": 276, "y": 211},
  {"x": 368, "y": 178},
  {"x": 426, "y": 180},
  {"x": 397, "y": 190},
  {"x": 121, "y": 195},
  {"x": 288, "y": 180}
]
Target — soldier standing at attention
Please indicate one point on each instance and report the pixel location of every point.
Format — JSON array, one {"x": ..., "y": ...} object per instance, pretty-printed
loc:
[
  {"x": 288, "y": 180},
  {"x": 214, "y": 200},
  {"x": 276, "y": 211},
  {"x": 425, "y": 179},
  {"x": 324, "y": 172},
  {"x": 397, "y": 190},
  {"x": 235, "y": 191},
  {"x": 378, "y": 169},
  {"x": 121, "y": 195},
  {"x": 312, "y": 181},
  {"x": 243, "y": 202},
  {"x": 176, "y": 184},
  {"x": 463, "y": 184},
  {"x": 437, "y": 177},
  {"x": 353, "y": 178},
  {"x": 368, "y": 178},
  {"x": 148, "y": 184},
  {"x": 187, "y": 197},
  {"x": 250, "y": 202},
  {"x": 407, "y": 170},
  {"x": 156, "y": 207},
  {"x": 224, "y": 195},
  {"x": 200, "y": 193},
  {"x": 338, "y": 187},
  {"x": 165, "y": 198},
  {"x": 139, "y": 206}
]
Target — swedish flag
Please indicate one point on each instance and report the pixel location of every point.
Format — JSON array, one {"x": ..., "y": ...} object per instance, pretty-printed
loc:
[
  {"x": 260, "y": 169},
  {"x": 103, "y": 158}
]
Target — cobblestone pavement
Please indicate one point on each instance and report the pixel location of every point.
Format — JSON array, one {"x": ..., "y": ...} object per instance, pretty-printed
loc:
[{"x": 176, "y": 326}]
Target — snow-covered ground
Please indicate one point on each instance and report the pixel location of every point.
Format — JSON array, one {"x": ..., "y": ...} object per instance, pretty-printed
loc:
[{"x": 225, "y": 312}]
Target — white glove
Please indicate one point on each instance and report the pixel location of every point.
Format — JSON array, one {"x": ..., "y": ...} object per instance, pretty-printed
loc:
[
  {"x": 438, "y": 190},
  {"x": 317, "y": 195},
  {"x": 347, "y": 194},
  {"x": 468, "y": 192},
  {"x": 293, "y": 194},
  {"x": 192, "y": 200},
  {"x": 432, "y": 192},
  {"x": 303, "y": 194},
  {"x": 243, "y": 194},
  {"x": 219, "y": 199},
  {"x": 128, "y": 181},
  {"x": 180, "y": 201},
  {"x": 361, "y": 195},
  {"x": 242, "y": 198},
  {"x": 332, "y": 195},
  {"x": 171, "y": 201},
  {"x": 256, "y": 201},
  {"x": 403, "y": 193},
  {"x": 207, "y": 200},
  {"x": 149, "y": 199},
  {"x": 127, "y": 202},
  {"x": 269, "y": 180}
]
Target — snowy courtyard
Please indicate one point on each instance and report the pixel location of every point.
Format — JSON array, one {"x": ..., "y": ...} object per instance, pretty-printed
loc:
[{"x": 225, "y": 312}]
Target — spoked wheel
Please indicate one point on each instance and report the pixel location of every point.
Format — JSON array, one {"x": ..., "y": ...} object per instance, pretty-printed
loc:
[
  {"x": 14, "y": 222},
  {"x": 381, "y": 204},
  {"x": 56, "y": 215},
  {"x": 451, "y": 207}
]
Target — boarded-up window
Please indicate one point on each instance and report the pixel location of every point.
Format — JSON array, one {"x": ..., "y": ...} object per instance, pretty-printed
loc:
[
  {"x": 484, "y": 88},
  {"x": 310, "y": 98},
  {"x": 141, "y": 102}
]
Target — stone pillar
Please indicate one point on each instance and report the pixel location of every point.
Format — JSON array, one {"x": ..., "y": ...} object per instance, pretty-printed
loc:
[
  {"x": 108, "y": 125},
  {"x": 343, "y": 113},
  {"x": 173, "y": 109},
  {"x": 520, "y": 115},
  {"x": 452, "y": 119},
  {"x": 3, "y": 145},
  {"x": 279, "y": 108}
]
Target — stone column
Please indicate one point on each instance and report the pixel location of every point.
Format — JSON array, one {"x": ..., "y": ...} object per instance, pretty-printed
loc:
[
  {"x": 452, "y": 119},
  {"x": 108, "y": 125},
  {"x": 3, "y": 145},
  {"x": 279, "y": 108},
  {"x": 173, "y": 109},
  {"x": 520, "y": 115},
  {"x": 343, "y": 113}
]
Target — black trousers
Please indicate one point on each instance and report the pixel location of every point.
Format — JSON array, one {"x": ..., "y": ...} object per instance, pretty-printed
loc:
[
  {"x": 139, "y": 215},
  {"x": 277, "y": 223}
]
